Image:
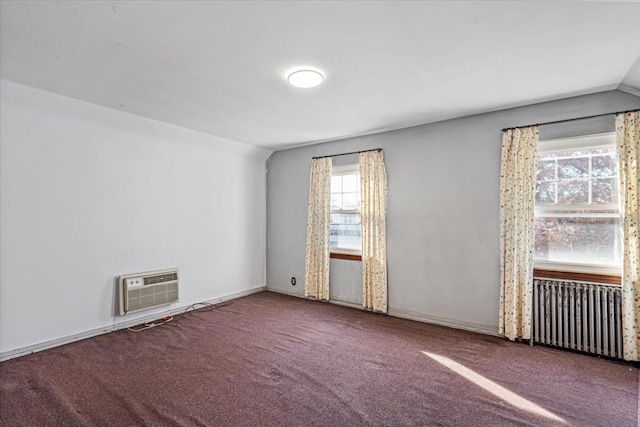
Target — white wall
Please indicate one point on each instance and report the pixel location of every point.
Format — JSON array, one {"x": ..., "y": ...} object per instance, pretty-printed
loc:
[
  {"x": 89, "y": 193},
  {"x": 443, "y": 211}
]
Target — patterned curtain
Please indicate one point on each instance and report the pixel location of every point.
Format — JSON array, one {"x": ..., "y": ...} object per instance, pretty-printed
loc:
[
  {"x": 628, "y": 136},
  {"x": 517, "y": 197},
  {"x": 316, "y": 274},
  {"x": 373, "y": 179}
]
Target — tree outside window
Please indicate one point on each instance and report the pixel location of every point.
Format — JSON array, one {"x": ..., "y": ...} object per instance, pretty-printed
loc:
[
  {"x": 577, "y": 217},
  {"x": 345, "y": 234}
]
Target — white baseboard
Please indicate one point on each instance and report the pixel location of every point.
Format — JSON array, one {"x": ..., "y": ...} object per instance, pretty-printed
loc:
[
  {"x": 331, "y": 301},
  {"x": 450, "y": 323},
  {"x": 410, "y": 315},
  {"x": 286, "y": 292},
  {"x": 11, "y": 354},
  {"x": 347, "y": 304}
]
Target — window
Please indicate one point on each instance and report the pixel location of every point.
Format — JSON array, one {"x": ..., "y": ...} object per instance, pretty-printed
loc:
[
  {"x": 346, "y": 235},
  {"x": 577, "y": 216}
]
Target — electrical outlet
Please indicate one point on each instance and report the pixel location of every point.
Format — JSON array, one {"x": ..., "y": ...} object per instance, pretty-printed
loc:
[{"x": 293, "y": 281}]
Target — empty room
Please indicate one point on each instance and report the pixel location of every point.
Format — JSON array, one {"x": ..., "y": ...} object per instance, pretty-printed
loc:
[{"x": 309, "y": 213}]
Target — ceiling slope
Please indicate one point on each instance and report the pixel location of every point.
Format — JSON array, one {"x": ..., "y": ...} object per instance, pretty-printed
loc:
[
  {"x": 220, "y": 67},
  {"x": 631, "y": 82}
]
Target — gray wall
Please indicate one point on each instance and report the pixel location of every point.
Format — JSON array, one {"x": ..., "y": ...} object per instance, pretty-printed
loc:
[
  {"x": 89, "y": 193},
  {"x": 443, "y": 210}
]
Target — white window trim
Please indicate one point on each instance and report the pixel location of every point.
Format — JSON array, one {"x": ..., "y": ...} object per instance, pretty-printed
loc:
[
  {"x": 586, "y": 142},
  {"x": 570, "y": 209},
  {"x": 345, "y": 170}
]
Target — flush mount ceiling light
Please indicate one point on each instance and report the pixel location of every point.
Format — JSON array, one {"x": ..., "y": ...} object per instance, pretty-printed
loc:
[{"x": 305, "y": 78}]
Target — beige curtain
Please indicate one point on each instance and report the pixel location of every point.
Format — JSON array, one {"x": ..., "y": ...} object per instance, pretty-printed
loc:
[
  {"x": 628, "y": 136},
  {"x": 316, "y": 274},
  {"x": 517, "y": 197},
  {"x": 373, "y": 179}
]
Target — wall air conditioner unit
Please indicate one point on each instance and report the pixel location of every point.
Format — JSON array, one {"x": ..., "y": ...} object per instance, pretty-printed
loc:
[{"x": 141, "y": 291}]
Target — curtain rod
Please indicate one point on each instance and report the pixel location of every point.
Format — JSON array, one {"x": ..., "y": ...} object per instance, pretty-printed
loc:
[
  {"x": 571, "y": 120},
  {"x": 346, "y": 154}
]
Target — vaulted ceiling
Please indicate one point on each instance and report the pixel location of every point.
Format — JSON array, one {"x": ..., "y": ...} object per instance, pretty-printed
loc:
[{"x": 221, "y": 67}]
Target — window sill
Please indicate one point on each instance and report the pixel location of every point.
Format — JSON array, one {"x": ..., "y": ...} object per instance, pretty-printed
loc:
[
  {"x": 609, "y": 279},
  {"x": 571, "y": 267},
  {"x": 349, "y": 257}
]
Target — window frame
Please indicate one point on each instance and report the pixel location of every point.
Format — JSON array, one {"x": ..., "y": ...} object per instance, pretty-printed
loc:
[
  {"x": 586, "y": 142},
  {"x": 338, "y": 252}
]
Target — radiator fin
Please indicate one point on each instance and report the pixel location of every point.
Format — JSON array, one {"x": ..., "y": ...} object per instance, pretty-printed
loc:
[{"x": 576, "y": 315}]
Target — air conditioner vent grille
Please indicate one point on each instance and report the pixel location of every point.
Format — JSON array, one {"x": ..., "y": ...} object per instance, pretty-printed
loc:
[
  {"x": 161, "y": 278},
  {"x": 146, "y": 290}
]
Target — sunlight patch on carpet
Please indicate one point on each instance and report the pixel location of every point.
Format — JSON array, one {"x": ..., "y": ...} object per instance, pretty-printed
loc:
[{"x": 493, "y": 388}]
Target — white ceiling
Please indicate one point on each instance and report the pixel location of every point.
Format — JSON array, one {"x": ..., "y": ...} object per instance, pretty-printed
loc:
[{"x": 220, "y": 67}]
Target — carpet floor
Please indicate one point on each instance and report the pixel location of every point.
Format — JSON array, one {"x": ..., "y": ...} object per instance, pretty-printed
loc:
[{"x": 274, "y": 360}]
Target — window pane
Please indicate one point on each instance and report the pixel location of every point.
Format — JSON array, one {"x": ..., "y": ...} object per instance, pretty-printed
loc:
[
  {"x": 578, "y": 240},
  {"x": 604, "y": 190},
  {"x": 345, "y": 231},
  {"x": 573, "y": 168},
  {"x": 546, "y": 170},
  {"x": 349, "y": 183},
  {"x": 575, "y": 236},
  {"x": 574, "y": 192},
  {"x": 336, "y": 201},
  {"x": 545, "y": 193},
  {"x": 336, "y": 184},
  {"x": 350, "y": 201},
  {"x": 604, "y": 166}
]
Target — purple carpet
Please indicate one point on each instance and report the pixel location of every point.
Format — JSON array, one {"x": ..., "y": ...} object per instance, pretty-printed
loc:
[{"x": 274, "y": 360}]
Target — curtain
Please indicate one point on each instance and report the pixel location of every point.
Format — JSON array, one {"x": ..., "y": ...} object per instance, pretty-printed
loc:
[
  {"x": 316, "y": 274},
  {"x": 373, "y": 210},
  {"x": 517, "y": 197},
  {"x": 628, "y": 137}
]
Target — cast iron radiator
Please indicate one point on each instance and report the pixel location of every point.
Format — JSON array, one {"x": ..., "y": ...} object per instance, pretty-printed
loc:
[{"x": 578, "y": 315}]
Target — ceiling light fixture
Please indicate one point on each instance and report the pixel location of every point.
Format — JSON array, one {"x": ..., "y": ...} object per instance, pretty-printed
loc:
[{"x": 305, "y": 78}]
